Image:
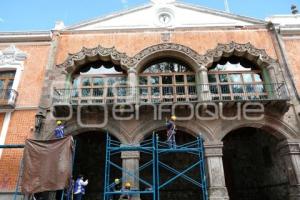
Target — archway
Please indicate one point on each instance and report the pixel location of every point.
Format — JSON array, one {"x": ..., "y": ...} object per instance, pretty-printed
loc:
[
  {"x": 179, "y": 189},
  {"x": 253, "y": 167},
  {"x": 90, "y": 161}
]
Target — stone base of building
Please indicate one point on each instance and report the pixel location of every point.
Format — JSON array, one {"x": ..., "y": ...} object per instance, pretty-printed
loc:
[
  {"x": 294, "y": 192},
  {"x": 217, "y": 193}
]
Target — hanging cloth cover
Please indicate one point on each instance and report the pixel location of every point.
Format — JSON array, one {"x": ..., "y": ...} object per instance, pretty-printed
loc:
[{"x": 47, "y": 165}]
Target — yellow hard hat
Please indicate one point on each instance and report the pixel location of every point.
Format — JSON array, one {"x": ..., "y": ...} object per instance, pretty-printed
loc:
[
  {"x": 117, "y": 181},
  {"x": 173, "y": 117},
  {"x": 58, "y": 122},
  {"x": 127, "y": 184}
]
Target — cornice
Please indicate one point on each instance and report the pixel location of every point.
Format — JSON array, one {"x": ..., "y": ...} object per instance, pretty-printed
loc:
[{"x": 39, "y": 36}]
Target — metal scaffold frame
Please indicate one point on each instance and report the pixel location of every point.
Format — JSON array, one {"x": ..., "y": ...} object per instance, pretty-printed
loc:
[
  {"x": 156, "y": 149},
  {"x": 114, "y": 147}
]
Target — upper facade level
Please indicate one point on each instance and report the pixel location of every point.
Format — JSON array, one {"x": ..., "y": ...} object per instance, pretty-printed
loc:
[{"x": 172, "y": 73}]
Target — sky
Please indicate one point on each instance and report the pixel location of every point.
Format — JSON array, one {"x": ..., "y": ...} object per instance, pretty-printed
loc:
[{"x": 38, "y": 15}]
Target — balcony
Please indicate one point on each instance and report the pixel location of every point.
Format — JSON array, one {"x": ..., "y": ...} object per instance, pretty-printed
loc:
[
  {"x": 254, "y": 92},
  {"x": 8, "y": 98}
]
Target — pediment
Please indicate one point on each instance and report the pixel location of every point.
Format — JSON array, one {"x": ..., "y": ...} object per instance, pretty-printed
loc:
[{"x": 172, "y": 15}]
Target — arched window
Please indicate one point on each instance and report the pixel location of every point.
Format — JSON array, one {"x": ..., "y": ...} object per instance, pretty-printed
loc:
[
  {"x": 236, "y": 78},
  {"x": 167, "y": 80},
  {"x": 100, "y": 82}
]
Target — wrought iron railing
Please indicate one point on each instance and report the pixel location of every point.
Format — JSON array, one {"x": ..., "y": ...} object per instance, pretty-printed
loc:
[
  {"x": 173, "y": 93},
  {"x": 8, "y": 98}
]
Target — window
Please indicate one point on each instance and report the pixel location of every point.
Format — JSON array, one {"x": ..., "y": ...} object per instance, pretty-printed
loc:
[
  {"x": 167, "y": 80},
  {"x": 99, "y": 82},
  {"x": 6, "y": 83},
  {"x": 236, "y": 79}
]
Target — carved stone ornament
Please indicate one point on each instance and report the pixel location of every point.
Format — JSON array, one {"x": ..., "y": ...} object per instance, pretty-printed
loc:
[
  {"x": 247, "y": 50},
  {"x": 12, "y": 56},
  {"x": 99, "y": 52}
]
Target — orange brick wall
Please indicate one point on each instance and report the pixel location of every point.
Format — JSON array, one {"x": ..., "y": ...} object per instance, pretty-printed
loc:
[
  {"x": 31, "y": 82},
  {"x": 292, "y": 47},
  {"x": 133, "y": 42},
  {"x": 22, "y": 121},
  {"x": 20, "y": 128}
]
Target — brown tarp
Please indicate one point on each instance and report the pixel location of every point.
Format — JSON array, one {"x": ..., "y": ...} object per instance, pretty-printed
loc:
[{"x": 47, "y": 165}]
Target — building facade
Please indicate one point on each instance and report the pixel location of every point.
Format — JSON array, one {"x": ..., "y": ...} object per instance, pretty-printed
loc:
[{"x": 229, "y": 79}]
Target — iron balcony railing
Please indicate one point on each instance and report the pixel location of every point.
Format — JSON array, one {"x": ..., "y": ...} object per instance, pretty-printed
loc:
[
  {"x": 173, "y": 93},
  {"x": 8, "y": 98}
]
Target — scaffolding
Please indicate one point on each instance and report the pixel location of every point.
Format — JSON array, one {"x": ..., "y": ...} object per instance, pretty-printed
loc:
[{"x": 156, "y": 149}]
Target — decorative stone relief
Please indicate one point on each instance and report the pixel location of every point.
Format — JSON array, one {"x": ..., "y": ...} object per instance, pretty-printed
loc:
[
  {"x": 258, "y": 56},
  {"x": 247, "y": 50},
  {"x": 84, "y": 53},
  {"x": 12, "y": 56}
]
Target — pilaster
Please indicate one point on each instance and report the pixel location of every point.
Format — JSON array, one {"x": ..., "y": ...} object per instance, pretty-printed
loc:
[{"x": 216, "y": 179}]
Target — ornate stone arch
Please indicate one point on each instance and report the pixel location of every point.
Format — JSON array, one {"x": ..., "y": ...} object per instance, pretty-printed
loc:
[
  {"x": 172, "y": 50},
  {"x": 273, "y": 126},
  {"x": 85, "y": 55},
  {"x": 74, "y": 129},
  {"x": 248, "y": 51}
]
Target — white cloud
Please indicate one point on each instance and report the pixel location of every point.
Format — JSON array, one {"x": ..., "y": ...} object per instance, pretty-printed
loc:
[{"x": 1, "y": 20}]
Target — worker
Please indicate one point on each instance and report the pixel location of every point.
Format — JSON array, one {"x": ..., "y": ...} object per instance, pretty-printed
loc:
[
  {"x": 79, "y": 188},
  {"x": 59, "y": 131},
  {"x": 125, "y": 194},
  {"x": 116, "y": 186},
  {"x": 171, "y": 132}
]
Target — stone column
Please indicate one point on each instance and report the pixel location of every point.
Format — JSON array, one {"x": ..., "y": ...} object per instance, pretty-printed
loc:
[
  {"x": 202, "y": 84},
  {"x": 130, "y": 163},
  {"x": 216, "y": 178},
  {"x": 132, "y": 82},
  {"x": 290, "y": 152}
]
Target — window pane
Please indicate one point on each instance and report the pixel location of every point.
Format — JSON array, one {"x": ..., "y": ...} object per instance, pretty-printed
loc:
[
  {"x": 111, "y": 80},
  {"x": 190, "y": 78},
  {"x": 155, "y": 91},
  {"x": 85, "y": 92},
  {"x": 257, "y": 78},
  {"x": 86, "y": 82},
  {"x": 167, "y": 66},
  {"x": 223, "y": 78},
  {"x": 180, "y": 90},
  {"x": 225, "y": 89},
  {"x": 236, "y": 88},
  {"x": 235, "y": 78},
  {"x": 7, "y": 74},
  {"x": 154, "y": 80},
  {"x": 167, "y": 90},
  {"x": 167, "y": 80},
  {"x": 212, "y": 78},
  {"x": 143, "y": 91},
  {"x": 143, "y": 80},
  {"x": 98, "y": 81},
  {"x": 97, "y": 92},
  {"x": 179, "y": 79},
  {"x": 247, "y": 78}
]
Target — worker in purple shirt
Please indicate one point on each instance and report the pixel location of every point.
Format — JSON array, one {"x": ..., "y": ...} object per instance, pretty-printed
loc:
[
  {"x": 171, "y": 132},
  {"x": 59, "y": 131}
]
